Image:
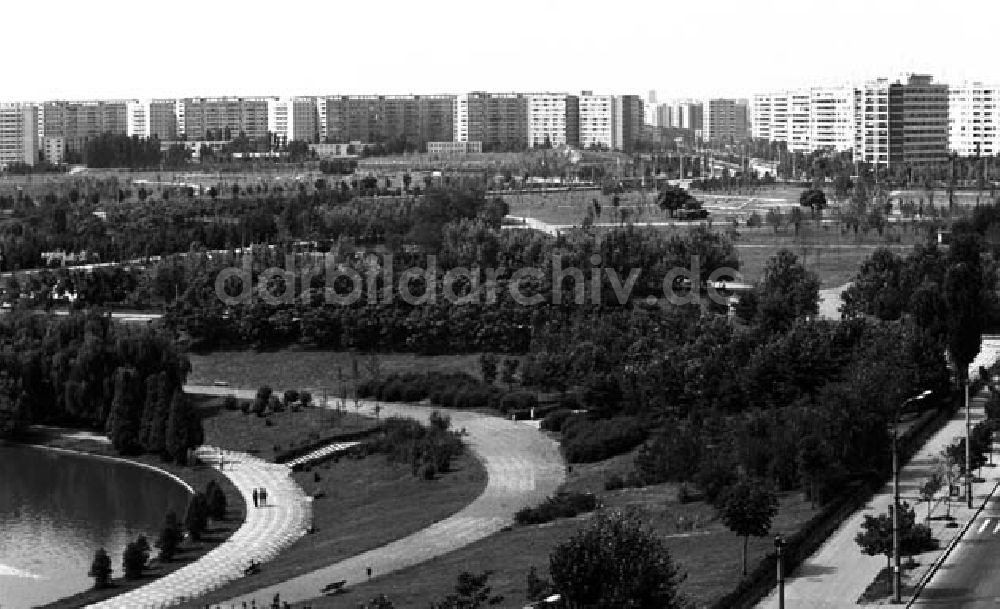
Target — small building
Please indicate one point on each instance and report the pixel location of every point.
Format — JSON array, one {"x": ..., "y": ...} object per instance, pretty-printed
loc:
[{"x": 454, "y": 147}]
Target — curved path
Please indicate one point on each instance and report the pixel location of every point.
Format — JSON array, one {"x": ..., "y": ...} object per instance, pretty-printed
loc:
[
  {"x": 524, "y": 467},
  {"x": 264, "y": 533}
]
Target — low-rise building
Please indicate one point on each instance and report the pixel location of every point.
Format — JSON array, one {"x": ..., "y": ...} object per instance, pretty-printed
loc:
[{"x": 466, "y": 147}]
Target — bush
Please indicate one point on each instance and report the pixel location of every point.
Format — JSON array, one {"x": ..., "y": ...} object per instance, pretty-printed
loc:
[
  {"x": 563, "y": 505},
  {"x": 135, "y": 558},
  {"x": 554, "y": 420},
  {"x": 231, "y": 403},
  {"x": 585, "y": 440},
  {"x": 518, "y": 400}
]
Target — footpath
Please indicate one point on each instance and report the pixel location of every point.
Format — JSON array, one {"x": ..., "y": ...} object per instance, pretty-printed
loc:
[
  {"x": 523, "y": 466},
  {"x": 265, "y": 532},
  {"x": 838, "y": 573}
]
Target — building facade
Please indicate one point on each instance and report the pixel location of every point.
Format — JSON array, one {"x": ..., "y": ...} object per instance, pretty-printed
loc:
[
  {"x": 597, "y": 121},
  {"x": 405, "y": 120},
  {"x": 77, "y": 121},
  {"x": 725, "y": 120},
  {"x": 628, "y": 122},
  {"x": 973, "y": 118},
  {"x": 831, "y": 118},
  {"x": 553, "y": 120},
  {"x": 918, "y": 121},
  {"x": 18, "y": 134},
  {"x": 223, "y": 117},
  {"x": 465, "y": 147},
  {"x": 498, "y": 120}
]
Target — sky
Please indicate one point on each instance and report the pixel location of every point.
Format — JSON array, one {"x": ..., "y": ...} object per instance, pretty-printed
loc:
[{"x": 679, "y": 48}]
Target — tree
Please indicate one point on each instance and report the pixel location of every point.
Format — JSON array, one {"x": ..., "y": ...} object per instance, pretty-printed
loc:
[
  {"x": 216, "y": 499},
  {"x": 261, "y": 400},
  {"x": 126, "y": 412},
  {"x": 170, "y": 537},
  {"x": 508, "y": 370},
  {"x": 471, "y": 592},
  {"x": 184, "y": 429},
  {"x": 488, "y": 364},
  {"x": 100, "y": 569},
  {"x": 196, "y": 516},
  {"x": 963, "y": 295},
  {"x": 616, "y": 562},
  {"x": 672, "y": 198},
  {"x": 875, "y": 536},
  {"x": 747, "y": 508},
  {"x": 930, "y": 488},
  {"x": 814, "y": 199},
  {"x": 787, "y": 292},
  {"x": 135, "y": 558}
]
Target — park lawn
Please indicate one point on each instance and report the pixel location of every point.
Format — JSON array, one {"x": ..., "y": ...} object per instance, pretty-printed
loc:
[
  {"x": 233, "y": 430},
  {"x": 364, "y": 503},
  {"x": 314, "y": 370},
  {"x": 699, "y": 544},
  {"x": 198, "y": 477}
]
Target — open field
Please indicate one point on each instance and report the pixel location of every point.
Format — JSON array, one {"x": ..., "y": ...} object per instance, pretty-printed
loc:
[
  {"x": 190, "y": 551},
  {"x": 362, "y": 504},
  {"x": 233, "y": 430},
  {"x": 699, "y": 544},
  {"x": 314, "y": 370}
]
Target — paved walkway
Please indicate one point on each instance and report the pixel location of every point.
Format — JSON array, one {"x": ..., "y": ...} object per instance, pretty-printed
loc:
[
  {"x": 320, "y": 453},
  {"x": 524, "y": 467},
  {"x": 264, "y": 533},
  {"x": 838, "y": 573}
]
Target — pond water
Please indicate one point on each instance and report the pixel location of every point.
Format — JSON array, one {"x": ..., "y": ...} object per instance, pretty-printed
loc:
[{"x": 57, "y": 509}]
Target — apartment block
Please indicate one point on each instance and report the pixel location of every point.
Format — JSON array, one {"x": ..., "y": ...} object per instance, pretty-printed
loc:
[
  {"x": 415, "y": 119},
  {"x": 54, "y": 150},
  {"x": 76, "y": 121},
  {"x": 918, "y": 121},
  {"x": 553, "y": 119},
  {"x": 498, "y": 120},
  {"x": 725, "y": 120},
  {"x": 973, "y": 118},
  {"x": 628, "y": 122},
  {"x": 597, "y": 121},
  {"x": 687, "y": 115},
  {"x": 221, "y": 115},
  {"x": 664, "y": 115},
  {"x": 18, "y": 134},
  {"x": 831, "y": 118}
]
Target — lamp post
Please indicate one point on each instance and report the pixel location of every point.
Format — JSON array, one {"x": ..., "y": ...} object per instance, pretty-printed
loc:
[
  {"x": 968, "y": 448},
  {"x": 897, "y": 573},
  {"x": 778, "y": 544}
]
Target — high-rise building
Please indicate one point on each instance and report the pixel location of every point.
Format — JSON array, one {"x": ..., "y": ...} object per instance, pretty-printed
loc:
[
  {"x": 76, "y": 121},
  {"x": 973, "y": 118},
  {"x": 831, "y": 118},
  {"x": 553, "y": 119},
  {"x": 628, "y": 122},
  {"x": 409, "y": 120},
  {"x": 918, "y": 121},
  {"x": 498, "y": 120},
  {"x": 597, "y": 121},
  {"x": 223, "y": 117},
  {"x": 871, "y": 140},
  {"x": 18, "y": 134},
  {"x": 687, "y": 115},
  {"x": 725, "y": 120},
  {"x": 664, "y": 115}
]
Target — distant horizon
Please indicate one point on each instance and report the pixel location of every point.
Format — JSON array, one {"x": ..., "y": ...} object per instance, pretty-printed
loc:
[{"x": 110, "y": 49}]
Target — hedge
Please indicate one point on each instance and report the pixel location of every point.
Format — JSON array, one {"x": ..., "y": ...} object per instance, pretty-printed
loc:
[
  {"x": 563, "y": 505},
  {"x": 587, "y": 440}
]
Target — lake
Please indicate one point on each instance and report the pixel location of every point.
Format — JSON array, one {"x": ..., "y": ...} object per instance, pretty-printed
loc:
[{"x": 57, "y": 509}]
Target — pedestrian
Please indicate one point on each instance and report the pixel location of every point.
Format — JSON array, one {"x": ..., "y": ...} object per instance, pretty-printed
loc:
[
  {"x": 256, "y": 497},
  {"x": 369, "y": 572},
  {"x": 263, "y": 496}
]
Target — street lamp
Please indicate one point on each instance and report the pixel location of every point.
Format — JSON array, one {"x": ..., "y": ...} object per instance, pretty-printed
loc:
[
  {"x": 896, "y": 576},
  {"x": 779, "y": 542}
]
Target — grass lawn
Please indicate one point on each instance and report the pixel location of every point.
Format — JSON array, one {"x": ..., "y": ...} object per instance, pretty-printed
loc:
[
  {"x": 233, "y": 430},
  {"x": 365, "y": 504},
  {"x": 313, "y": 370},
  {"x": 190, "y": 551},
  {"x": 699, "y": 544}
]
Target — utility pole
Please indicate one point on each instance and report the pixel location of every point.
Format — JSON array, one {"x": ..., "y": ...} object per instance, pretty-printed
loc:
[
  {"x": 778, "y": 544},
  {"x": 896, "y": 575}
]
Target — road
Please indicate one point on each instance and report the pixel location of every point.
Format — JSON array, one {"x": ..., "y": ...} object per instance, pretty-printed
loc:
[{"x": 970, "y": 577}]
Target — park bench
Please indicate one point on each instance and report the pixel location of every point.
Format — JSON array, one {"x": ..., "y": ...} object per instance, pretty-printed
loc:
[{"x": 334, "y": 588}]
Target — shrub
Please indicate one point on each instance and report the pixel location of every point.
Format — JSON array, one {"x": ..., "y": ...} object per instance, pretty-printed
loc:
[
  {"x": 554, "y": 420},
  {"x": 518, "y": 400},
  {"x": 231, "y": 403},
  {"x": 393, "y": 391},
  {"x": 428, "y": 471},
  {"x": 100, "y": 569},
  {"x": 135, "y": 557},
  {"x": 563, "y": 505},
  {"x": 585, "y": 440}
]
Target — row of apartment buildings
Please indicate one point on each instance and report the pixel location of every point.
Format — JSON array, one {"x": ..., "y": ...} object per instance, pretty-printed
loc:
[
  {"x": 499, "y": 121},
  {"x": 916, "y": 121}
]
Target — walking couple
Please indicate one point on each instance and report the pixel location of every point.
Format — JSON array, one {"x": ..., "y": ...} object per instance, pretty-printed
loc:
[{"x": 259, "y": 497}]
